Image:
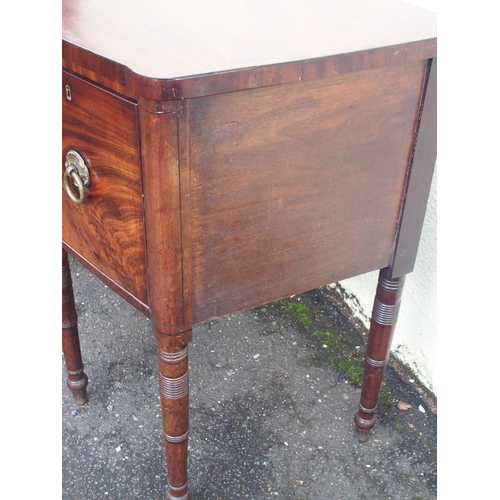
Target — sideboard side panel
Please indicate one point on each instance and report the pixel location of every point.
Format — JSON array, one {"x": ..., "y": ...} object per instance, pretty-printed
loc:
[{"x": 297, "y": 186}]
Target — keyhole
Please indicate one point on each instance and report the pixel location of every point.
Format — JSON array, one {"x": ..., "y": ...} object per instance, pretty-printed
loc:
[{"x": 68, "y": 92}]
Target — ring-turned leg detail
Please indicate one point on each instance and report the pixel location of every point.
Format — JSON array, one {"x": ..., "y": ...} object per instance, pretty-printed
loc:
[
  {"x": 77, "y": 380},
  {"x": 174, "y": 394},
  {"x": 383, "y": 322}
]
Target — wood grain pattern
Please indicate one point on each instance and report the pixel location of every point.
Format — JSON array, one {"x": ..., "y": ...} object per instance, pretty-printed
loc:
[
  {"x": 297, "y": 188},
  {"x": 162, "y": 131},
  {"x": 161, "y": 157},
  {"x": 103, "y": 129},
  {"x": 171, "y": 50}
]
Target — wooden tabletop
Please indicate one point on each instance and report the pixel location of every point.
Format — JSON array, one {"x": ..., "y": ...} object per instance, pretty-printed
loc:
[{"x": 170, "y": 40}]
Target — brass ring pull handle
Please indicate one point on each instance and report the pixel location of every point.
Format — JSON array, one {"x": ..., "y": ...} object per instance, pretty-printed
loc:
[
  {"x": 78, "y": 171},
  {"x": 72, "y": 172}
]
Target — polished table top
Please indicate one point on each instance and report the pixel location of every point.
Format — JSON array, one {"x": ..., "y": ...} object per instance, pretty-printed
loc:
[{"x": 188, "y": 42}]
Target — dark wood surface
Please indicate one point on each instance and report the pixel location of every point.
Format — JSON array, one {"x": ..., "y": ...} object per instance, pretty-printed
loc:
[
  {"x": 293, "y": 190},
  {"x": 167, "y": 220},
  {"x": 102, "y": 127},
  {"x": 241, "y": 152},
  {"x": 196, "y": 48}
]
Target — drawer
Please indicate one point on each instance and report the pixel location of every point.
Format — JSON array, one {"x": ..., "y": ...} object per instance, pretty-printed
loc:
[{"x": 107, "y": 229}]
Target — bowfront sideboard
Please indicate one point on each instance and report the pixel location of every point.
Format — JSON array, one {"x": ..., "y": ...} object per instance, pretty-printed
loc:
[{"x": 219, "y": 155}]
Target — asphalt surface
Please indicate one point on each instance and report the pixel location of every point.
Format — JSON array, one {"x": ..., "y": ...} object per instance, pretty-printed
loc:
[{"x": 272, "y": 404}]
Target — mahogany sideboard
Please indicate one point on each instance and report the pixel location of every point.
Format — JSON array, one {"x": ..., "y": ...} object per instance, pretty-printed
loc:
[{"x": 220, "y": 155}]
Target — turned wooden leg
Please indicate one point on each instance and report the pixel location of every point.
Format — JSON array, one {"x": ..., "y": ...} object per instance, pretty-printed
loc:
[
  {"x": 174, "y": 395},
  {"x": 383, "y": 322},
  {"x": 77, "y": 380}
]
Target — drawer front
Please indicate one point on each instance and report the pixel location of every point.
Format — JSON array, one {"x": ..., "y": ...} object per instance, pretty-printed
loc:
[{"x": 107, "y": 229}]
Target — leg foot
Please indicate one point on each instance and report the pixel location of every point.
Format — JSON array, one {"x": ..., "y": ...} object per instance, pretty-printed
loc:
[
  {"x": 77, "y": 380},
  {"x": 362, "y": 435},
  {"x": 383, "y": 322}
]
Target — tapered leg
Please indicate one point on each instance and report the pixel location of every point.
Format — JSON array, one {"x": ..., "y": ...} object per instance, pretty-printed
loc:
[
  {"x": 77, "y": 380},
  {"x": 174, "y": 395},
  {"x": 383, "y": 322}
]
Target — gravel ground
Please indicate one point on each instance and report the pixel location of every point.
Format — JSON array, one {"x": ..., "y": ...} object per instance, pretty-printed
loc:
[{"x": 273, "y": 394}]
